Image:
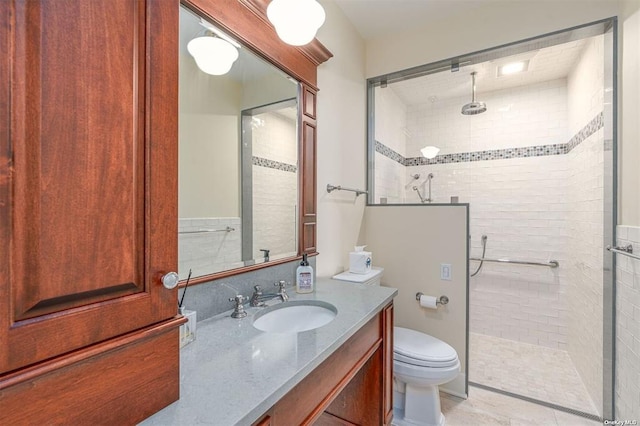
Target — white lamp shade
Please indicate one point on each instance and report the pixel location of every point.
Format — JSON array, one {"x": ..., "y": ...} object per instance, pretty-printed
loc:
[
  {"x": 296, "y": 21},
  {"x": 430, "y": 151},
  {"x": 213, "y": 55}
]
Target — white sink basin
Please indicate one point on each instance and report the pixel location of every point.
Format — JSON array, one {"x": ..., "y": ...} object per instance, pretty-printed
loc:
[{"x": 295, "y": 316}]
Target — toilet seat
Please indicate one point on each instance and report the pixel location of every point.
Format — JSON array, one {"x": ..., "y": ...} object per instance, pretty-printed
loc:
[{"x": 419, "y": 349}]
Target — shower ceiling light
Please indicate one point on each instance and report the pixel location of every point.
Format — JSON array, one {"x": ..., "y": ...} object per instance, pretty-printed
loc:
[
  {"x": 213, "y": 55},
  {"x": 430, "y": 151},
  {"x": 296, "y": 21},
  {"x": 513, "y": 68}
]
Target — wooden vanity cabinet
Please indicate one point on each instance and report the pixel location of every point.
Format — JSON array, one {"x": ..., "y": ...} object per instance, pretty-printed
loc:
[
  {"x": 354, "y": 386},
  {"x": 88, "y": 211}
]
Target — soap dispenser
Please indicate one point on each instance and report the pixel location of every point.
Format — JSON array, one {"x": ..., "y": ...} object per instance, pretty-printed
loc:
[{"x": 304, "y": 276}]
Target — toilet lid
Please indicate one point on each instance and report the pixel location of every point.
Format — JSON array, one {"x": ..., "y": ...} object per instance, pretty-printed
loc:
[{"x": 414, "y": 347}]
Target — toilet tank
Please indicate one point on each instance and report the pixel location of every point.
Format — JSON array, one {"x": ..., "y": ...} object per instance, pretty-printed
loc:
[{"x": 370, "y": 278}]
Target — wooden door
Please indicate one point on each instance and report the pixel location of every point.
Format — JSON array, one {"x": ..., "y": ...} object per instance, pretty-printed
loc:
[{"x": 88, "y": 170}]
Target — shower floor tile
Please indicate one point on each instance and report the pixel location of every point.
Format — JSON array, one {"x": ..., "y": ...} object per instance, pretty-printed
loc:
[
  {"x": 485, "y": 408},
  {"x": 534, "y": 371}
]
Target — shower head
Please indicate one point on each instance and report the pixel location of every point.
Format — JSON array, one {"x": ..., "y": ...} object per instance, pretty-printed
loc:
[{"x": 473, "y": 107}]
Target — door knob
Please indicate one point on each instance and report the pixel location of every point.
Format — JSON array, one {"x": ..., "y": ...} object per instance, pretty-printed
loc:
[{"x": 170, "y": 280}]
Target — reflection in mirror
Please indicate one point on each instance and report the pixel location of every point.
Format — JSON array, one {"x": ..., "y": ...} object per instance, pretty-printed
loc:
[{"x": 238, "y": 161}]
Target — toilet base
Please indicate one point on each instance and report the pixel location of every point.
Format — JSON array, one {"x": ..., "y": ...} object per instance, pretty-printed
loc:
[
  {"x": 416, "y": 405},
  {"x": 399, "y": 420}
]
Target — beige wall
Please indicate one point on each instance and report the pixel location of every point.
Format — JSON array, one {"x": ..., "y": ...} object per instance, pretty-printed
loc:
[
  {"x": 410, "y": 243},
  {"x": 628, "y": 295},
  {"x": 629, "y": 94},
  {"x": 209, "y": 176},
  {"x": 341, "y": 141}
]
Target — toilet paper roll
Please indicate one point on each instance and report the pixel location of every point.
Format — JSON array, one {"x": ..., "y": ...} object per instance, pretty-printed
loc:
[{"x": 428, "y": 302}]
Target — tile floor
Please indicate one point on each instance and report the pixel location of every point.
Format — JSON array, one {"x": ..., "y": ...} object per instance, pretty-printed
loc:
[
  {"x": 489, "y": 408},
  {"x": 535, "y": 371}
]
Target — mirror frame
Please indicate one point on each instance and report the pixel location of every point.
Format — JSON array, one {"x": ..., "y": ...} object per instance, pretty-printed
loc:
[{"x": 246, "y": 21}]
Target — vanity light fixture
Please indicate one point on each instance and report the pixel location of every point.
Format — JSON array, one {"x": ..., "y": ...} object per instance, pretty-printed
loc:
[
  {"x": 212, "y": 54},
  {"x": 430, "y": 151},
  {"x": 296, "y": 21}
]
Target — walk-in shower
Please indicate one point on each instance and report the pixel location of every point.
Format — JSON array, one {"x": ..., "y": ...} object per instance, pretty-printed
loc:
[{"x": 536, "y": 169}]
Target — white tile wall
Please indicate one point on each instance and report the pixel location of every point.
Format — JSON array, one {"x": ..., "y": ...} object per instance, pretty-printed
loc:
[
  {"x": 389, "y": 180},
  {"x": 586, "y": 218},
  {"x": 275, "y": 195},
  {"x": 628, "y": 327},
  {"x": 274, "y": 211},
  {"x": 391, "y": 120},
  {"x": 275, "y": 138},
  {"x": 208, "y": 252},
  {"x": 517, "y": 117},
  {"x": 521, "y": 207}
]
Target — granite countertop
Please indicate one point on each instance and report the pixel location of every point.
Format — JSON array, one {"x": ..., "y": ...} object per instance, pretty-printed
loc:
[{"x": 233, "y": 373}]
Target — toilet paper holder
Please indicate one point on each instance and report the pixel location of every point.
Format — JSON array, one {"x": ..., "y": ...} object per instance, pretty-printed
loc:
[{"x": 442, "y": 300}]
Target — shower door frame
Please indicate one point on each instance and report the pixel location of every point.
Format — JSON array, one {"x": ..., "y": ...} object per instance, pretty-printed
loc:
[{"x": 609, "y": 29}]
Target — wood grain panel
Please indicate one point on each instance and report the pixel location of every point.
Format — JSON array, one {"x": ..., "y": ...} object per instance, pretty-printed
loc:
[
  {"x": 80, "y": 131},
  {"x": 122, "y": 385},
  {"x": 387, "y": 369},
  {"x": 309, "y": 237},
  {"x": 88, "y": 167},
  {"x": 309, "y": 102},
  {"x": 360, "y": 401},
  {"x": 309, "y": 170}
]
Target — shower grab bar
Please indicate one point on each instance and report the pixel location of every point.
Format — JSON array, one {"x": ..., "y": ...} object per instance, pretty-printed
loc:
[
  {"x": 550, "y": 264},
  {"x": 626, "y": 250},
  {"x": 206, "y": 231},
  {"x": 342, "y": 188}
]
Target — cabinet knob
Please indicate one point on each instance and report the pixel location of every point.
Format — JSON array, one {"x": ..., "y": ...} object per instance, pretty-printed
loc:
[{"x": 170, "y": 280}]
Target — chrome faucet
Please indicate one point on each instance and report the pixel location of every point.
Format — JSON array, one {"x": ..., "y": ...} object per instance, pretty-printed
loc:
[{"x": 258, "y": 297}]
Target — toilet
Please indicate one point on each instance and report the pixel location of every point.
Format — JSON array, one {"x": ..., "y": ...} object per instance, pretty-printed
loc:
[{"x": 420, "y": 363}]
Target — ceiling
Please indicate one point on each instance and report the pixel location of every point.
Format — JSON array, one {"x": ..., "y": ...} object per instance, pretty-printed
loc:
[
  {"x": 545, "y": 64},
  {"x": 375, "y": 18}
]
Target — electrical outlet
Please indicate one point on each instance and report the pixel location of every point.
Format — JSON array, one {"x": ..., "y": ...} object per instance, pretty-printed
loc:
[{"x": 445, "y": 271}]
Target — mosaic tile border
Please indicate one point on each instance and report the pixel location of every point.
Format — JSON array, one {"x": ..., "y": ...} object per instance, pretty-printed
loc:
[
  {"x": 498, "y": 154},
  {"x": 272, "y": 164}
]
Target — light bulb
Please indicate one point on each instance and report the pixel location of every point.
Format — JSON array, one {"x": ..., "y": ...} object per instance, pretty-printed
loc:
[
  {"x": 213, "y": 55},
  {"x": 296, "y": 21}
]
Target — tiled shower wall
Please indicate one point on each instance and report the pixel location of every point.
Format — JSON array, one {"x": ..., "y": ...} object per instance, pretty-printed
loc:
[
  {"x": 390, "y": 131},
  {"x": 628, "y": 327},
  {"x": 585, "y": 194},
  {"x": 275, "y": 183},
  {"x": 208, "y": 245},
  {"x": 518, "y": 202}
]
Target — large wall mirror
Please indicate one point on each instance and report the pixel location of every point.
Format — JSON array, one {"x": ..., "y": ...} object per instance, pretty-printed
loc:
[{"x": 238, "y": 158}]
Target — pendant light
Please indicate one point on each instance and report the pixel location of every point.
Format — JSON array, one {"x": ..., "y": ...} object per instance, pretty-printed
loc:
[
  {"x": 430, "y": 151},
  {"x": 296, "y": 21},
  {"x": 213, "y": 55}
]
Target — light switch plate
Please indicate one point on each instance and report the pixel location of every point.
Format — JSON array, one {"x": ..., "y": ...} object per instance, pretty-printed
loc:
[{"x": 445, "y": 271}]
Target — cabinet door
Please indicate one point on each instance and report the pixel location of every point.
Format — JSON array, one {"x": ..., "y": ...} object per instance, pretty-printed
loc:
[
  {"x": 308, "y": 171},
  {"x": 88, "y": 149}
]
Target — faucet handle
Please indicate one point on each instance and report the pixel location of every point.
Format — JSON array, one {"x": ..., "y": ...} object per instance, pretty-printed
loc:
[
  {"x": 282, "y": 291},
  {"x": 257, "y": 289},
  {"x": 238, "y": 311}
]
